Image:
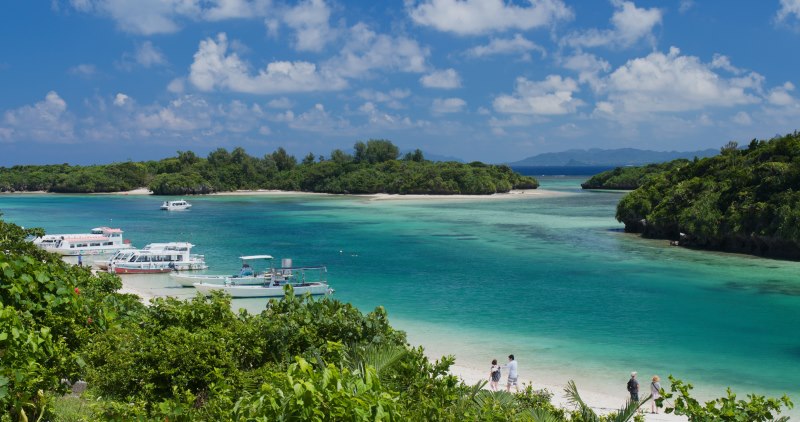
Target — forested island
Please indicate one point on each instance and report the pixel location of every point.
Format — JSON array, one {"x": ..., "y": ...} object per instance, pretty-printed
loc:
[
  {"x": 375, "y": 167},
  {"x": 197, "y": 360},
  {"x": 630, "y": 178},
  {"x": 742, "y": 200}
]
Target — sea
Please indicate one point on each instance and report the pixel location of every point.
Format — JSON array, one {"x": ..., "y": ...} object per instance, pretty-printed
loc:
[{"x": 552, "y": 279}]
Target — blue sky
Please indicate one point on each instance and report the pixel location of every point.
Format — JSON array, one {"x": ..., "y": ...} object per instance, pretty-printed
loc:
[{"x": 93, "y": 81}]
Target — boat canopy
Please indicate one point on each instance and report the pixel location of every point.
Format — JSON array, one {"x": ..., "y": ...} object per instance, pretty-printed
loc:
[{"x": 251, "y": 257}]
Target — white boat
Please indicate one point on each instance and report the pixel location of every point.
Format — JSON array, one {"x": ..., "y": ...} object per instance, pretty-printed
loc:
[
  {"x": 175, "y": 205},
  {"x": 156, "y": 258},
  {"x": 246, "y": 276},
  {"x": 101, "y": 240},
  {"x": 300, "y": 278}
]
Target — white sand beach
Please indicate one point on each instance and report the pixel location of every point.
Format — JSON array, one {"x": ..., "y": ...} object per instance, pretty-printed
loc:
[
  {"x": 514, "y": 194},
  {"x": 602, "y": 403}
]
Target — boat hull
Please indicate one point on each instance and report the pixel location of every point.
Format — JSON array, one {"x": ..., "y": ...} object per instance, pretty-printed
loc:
[
  {"x": 190, "y": 280},
  {"x": 239, "y": 291},
  {"x": 121, "y": 270}
]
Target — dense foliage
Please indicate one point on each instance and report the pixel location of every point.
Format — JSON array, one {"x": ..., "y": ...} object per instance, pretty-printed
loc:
[
  {"x": 629, "y": 178},
  {"x": 744, "y": 200},
  {"x": 197, "y": 360},
  {"x": 375, "y": 167}
]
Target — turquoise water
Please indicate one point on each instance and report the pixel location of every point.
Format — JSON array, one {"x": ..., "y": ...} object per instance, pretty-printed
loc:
[{"x": 552, "y": 280}]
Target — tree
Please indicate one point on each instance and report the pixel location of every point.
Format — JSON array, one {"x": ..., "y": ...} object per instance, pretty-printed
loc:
[
  {"x": 375, "y": 151},
  {"x": 309, "y": 159},
  {"x": 283, "y": 160},
  {"x": 416, "y": 156}
]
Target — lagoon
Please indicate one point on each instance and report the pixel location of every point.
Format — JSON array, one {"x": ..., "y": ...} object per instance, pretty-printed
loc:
[{"x": 553, "y": 280}]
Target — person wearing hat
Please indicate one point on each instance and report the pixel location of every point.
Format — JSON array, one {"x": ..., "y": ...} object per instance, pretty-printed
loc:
[{"x": 633, "y": 387}]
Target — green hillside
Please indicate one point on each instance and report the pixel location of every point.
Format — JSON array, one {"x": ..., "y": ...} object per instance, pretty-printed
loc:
[{"x": 744, "y": 200}]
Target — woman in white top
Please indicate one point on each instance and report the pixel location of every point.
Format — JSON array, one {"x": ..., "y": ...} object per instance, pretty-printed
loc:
[{"x": 655, "y": 391}]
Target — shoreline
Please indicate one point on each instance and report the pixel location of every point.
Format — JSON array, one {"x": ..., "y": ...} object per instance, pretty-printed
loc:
[{"x": 513, "y": 194}]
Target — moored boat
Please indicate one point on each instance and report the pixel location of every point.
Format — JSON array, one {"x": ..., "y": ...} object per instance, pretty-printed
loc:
[
  {"x": 178, "y": 205},
  {"x": 303, "y": 280},
  {"x": 101, "y": 240},
  {"x": 246, "y": 276},
  {"x": 156, "y": 258}
]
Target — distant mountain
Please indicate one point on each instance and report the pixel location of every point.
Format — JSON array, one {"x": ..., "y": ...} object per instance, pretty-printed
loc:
[{"x": 609, "y": 157}]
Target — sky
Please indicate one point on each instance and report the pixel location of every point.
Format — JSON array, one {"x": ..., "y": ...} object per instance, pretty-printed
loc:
[{"x": 99, "y": 81}]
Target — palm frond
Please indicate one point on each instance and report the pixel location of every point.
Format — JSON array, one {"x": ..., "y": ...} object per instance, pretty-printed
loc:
[
  {"x": 574, "y": 398},
  {"x": 628, "y": 411},
  {"x": 382, "y": 357},
  {"x": 542, "y": 415}
]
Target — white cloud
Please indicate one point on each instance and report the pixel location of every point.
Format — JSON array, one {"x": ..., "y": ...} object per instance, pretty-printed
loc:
[
  {"x": 176, "y": 85},
  {"x": 497, "y": 46},
  {"x": 589, "y": 68},
  {"x": 214, "y": 68},
  {"x": 366, "y": 50},
  {"x": 723, "y": 62},
  {"x": 443, "y": 79},
  {"x": 309, "y": 20},
  {"x": 780, "y": 96},
  {"x": 742, "y": 118},
  {"x": 185, "y": 114},
  {"x": 448, "y": 105},
  {"x": 473, "y": 17},
  {"x": 552, "y": 96},
  {"x": 282, "y": 103},
  {"x": 148, "y": 55},
  {"x": 674, "y": 83},
  {"x": 317, "y": 119},
  {"x": 47, "y": 120},
  {"x": 788, "y": 9},
  {"x": 391, "y": 98},
  {"x": 235, "y": 9},
  {"x": 685, "y": 5},
  {"x": 629, "y": 24},
  {"x": 121, "y": 100},
  {"x": 85, "y": 70}
]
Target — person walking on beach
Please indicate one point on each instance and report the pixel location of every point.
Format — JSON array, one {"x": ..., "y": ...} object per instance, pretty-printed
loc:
[
  {"x": 655, "y": 391},
  {"x": 633, "y": 387},
  {"x": 512, "y": 374},
  {"x": 494, "y": 375}
]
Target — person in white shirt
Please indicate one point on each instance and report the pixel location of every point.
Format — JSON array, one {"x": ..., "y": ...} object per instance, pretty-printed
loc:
[{"x": 512, "y": 374}]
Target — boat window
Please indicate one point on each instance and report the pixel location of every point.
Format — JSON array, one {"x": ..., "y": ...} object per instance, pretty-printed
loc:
[{"x": 94, "y": 244}]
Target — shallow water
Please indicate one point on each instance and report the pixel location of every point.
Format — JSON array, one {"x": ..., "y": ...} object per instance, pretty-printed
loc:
[{"x": 552, "y": 280}]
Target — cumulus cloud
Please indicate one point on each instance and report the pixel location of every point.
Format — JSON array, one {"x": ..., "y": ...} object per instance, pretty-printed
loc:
[
  {"x": 781, "y": 96},
  {"x": 366, "y": 50},
  {"x": 629, "y": 24},
  {"x": 46, "y": 120},
  {"x": 121, "y": 100},
  {"x": 309, "y": 20},
  {"x": 742, "y": 118},
  {"x": 84, "y": 69},
  {"x": 215, "y": 68},
  {"x": 391, "y": 98},
  {"x": 552, "y": 96},
  {"x": 317, "y": 119},
  {"x": 589, "y": 68},
  {"x": 183, "y": 114},
  {"x": 443, "y": 79},
  {"x": 148, "y": 55},
  {"x": 473, "y": 17},
  {"x": 499, "y": 46},
  {"x": 448, "y": 105},
  {"x": 788, "y": 9},
  {"x": 282, "y": 103},
  {"x": 674, "y": 83},
  {"x": 148, "y": 17}
]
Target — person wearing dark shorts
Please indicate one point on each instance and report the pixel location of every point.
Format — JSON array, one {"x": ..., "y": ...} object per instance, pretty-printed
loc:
[{"x": 633, "y": 387}]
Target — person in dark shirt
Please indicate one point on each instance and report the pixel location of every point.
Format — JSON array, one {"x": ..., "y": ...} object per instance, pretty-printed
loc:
[{"x": 633, "y": 387}]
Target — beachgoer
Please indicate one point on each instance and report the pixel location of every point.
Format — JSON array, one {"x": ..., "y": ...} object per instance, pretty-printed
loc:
[
  {"x": 494, "y": 375},
  {"x": 80, "y": 259},
  {"x": 655, "y": 390},
  {"x": 633, "y": 387},
  {"x": 512, "y": 374},
  {"x": 246, "y": 270}
]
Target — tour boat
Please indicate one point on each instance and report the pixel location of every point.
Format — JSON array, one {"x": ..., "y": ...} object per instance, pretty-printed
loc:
[
  {"x": 175, "y": 205},
  {"x": 247, "y": 275},
  {"x": 156, "y": 258},
  {"x": 302, "y": 280},
  {"x": 101, "y": 240}
]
